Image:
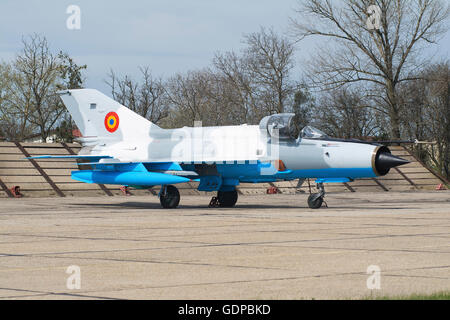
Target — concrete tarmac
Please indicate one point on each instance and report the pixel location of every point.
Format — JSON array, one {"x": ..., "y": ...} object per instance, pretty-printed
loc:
[{"x": 267, "y": 247}]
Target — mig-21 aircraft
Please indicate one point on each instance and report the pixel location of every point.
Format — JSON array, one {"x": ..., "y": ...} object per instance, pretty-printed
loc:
[{"x": 123, "y": 148}]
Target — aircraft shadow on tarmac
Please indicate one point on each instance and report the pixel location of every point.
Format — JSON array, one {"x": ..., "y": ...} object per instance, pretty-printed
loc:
[{"x": 150, "y": 205}]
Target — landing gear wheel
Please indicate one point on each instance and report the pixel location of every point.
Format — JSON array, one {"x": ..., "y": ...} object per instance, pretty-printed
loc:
[
  {"x": 169, "y": 197},
  {"x": 315, "y": 200},
  {"x": 227, "y": 199}
]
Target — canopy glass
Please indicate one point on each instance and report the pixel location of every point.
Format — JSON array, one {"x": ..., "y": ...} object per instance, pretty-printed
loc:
[{"x": 309, "y": 132}]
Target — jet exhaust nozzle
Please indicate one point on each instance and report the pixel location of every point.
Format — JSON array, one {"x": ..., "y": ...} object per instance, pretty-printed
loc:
[{"x": 384, "y": 161}]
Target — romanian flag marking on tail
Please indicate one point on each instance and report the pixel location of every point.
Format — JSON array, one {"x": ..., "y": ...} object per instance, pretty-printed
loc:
[{"x": 111, "y": 121}]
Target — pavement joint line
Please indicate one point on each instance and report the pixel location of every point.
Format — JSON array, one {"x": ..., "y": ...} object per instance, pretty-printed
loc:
[
  {"x": 258, "y": 280},
  {"x": 57, "y": 293},
  {"x": 185, "y": 263},
  {"x": 414, "y": 276},
  {"x": 242, "y": 243},
  {"x": 23, "y": 296},
  {"x": 107, "y": 251},
  {"x": 341, "y": 250},
  {"x": 169, "y": 262},
  {"x": 271, "y": 243},
  {"x": 368, "y": 250},
  {"x": 43, "y": 268}
]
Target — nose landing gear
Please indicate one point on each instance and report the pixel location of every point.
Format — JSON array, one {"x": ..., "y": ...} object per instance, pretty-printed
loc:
[{"x": 315, "y": 200}]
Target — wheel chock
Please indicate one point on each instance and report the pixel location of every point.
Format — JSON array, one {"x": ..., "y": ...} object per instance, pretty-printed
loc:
[{"x": 214, "y": 203}]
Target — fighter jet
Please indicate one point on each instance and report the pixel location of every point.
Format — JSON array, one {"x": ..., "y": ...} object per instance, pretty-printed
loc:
[{"x": 123, "y": 148}]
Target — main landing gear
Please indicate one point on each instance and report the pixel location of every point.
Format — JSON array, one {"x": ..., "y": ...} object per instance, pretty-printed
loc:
[
  {"x": 315, "y": 200},
  {"x": 227, "y": 199},
  {"x": 224, "y": 199},
  {"x": 169, "y": 197}
]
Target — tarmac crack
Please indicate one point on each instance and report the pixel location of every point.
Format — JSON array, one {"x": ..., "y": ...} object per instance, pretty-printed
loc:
[{"x": 39, "y": 293}]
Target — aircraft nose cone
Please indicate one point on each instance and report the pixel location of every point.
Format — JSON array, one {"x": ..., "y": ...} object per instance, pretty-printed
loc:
[{"x": 385, "y": 161}]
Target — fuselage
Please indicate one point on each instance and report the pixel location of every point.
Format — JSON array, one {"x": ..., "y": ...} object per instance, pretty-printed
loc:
[{"x": 245, "y": 153}]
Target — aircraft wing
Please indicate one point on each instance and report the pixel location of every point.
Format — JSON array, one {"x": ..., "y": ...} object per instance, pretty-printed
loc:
[
  {"x": 87, "y": 157},
  {"x": 125, "y": 172}
]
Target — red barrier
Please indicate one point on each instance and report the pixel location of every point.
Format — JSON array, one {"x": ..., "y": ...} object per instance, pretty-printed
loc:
[
  {"x": 272, "y": 190},
  {"x": 16, "y": 192},
  {"x": 440, "y": 187},
  {"x": 125, "y": 190}
]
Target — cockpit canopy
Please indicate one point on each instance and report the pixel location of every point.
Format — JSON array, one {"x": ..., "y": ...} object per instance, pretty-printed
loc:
[
  {"x": 309, "y": 132},
  {"x": 284, "y": 126}
]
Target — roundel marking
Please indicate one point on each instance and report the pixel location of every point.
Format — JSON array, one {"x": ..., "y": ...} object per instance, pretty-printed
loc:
[{"x": 111, "y": 121}]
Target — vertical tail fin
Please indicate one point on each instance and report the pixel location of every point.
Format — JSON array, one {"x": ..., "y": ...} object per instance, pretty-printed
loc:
[{"x": 97, "y": 115}]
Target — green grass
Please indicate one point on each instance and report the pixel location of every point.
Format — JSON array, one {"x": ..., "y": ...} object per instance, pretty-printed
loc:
[{"x": 443, "y": 295}]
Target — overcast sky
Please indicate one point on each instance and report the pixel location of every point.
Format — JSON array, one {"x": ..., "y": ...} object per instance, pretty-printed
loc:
[{"x": 168, "y": 36}]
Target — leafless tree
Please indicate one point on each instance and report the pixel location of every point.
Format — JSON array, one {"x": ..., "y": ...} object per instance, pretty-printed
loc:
[
  {"x": 145, "y": 97},
  {"x": 204, "y": 95},
  {"x": 304, "y": 106},
  {"x": 383, "y": 55},
  {"x": 232, "y": 70},
  {"x": 261, "y": 75},
  {"x": 13, "y": 119},
  {"x": 36, "y": 75},
  {"x": 428, "y": 118},
  {"x": 347, "y": 113},
  {"x": 189, "y": 98},
  {"x": 269, "y": 59}
]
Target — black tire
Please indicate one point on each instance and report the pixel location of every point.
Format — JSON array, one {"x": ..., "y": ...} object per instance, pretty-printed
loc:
[
  {"x": 171, "y": 198},
  {"x": 315, "y": 201},
  {"x": 227, "y": 199}
]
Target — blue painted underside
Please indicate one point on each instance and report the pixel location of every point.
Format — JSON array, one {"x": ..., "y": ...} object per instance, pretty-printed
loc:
[
  {"x": 254, "y": 173},
  {"x": 228, "y": 175},
  {"x": 127, "y": 178},
  {"x": 354, "y": 173}
]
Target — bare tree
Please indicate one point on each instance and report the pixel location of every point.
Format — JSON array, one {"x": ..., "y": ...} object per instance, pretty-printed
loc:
[
  {"x": 123, "y": 90},
  {"x": 36, "y": 78},
  {"x": 261, "y": 75},
  {"x": 232, "y": 70},
  {"x": 269, "y": 58},
  {"x": 384, "y": 55},
  {"x": 71, "y": 78},
  {"x": 189, "y": 98},
  {"x": 13, "y": 116},
  {"x": 346, "y": 113},
  {"x": 146, "y": 97},
  {"x": 428, "y": 117},
  {"x": 304, "y": 106}
]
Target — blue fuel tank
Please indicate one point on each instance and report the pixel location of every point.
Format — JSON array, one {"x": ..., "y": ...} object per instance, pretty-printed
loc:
[{"x": 127, "y": 178}]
